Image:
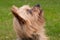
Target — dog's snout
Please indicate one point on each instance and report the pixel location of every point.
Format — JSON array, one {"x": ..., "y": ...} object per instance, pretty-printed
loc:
[{"x": 37, "y": 5}]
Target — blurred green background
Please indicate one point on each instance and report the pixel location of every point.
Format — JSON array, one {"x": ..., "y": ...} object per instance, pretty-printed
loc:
[{"x": 52, "y": 17}]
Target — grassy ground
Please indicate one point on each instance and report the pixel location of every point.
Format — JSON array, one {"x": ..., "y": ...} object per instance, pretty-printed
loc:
[{"x": 52, "y": 16}]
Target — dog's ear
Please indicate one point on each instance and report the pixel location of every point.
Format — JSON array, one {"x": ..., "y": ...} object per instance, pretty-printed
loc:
[{"x": 15, "y": 10}]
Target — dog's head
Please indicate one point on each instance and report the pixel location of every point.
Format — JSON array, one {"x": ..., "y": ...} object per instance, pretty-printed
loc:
[
  {"x": 27, "y": 13},
  {"x": 31, "y": 17}
]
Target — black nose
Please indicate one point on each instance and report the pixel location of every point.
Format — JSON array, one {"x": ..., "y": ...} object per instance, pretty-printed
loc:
[{"x": 37, "y": 5}]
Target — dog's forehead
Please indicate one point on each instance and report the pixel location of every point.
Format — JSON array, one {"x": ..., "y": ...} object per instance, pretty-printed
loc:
[{"x": 25, "y": 7}]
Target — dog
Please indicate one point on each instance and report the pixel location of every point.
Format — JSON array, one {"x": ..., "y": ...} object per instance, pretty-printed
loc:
[{"x": 29, "y": 22}]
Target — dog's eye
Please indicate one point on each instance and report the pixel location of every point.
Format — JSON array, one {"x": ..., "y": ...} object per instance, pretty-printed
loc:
[
  {"x": 29, "y": 11},
  {"x": 34, "y": 10}
]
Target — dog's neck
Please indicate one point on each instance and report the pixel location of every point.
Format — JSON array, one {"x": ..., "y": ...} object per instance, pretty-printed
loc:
[{"x": 35, "y": 37}]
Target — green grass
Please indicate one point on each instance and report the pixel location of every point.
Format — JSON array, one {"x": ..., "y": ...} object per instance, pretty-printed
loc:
[{"x": 52, "y": 16}]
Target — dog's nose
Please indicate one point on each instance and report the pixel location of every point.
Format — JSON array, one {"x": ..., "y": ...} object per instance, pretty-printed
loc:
[{"x": 37, "y": 5}]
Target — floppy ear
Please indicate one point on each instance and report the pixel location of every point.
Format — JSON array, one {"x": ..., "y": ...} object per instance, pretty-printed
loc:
[{"x": 16, "y": 14}]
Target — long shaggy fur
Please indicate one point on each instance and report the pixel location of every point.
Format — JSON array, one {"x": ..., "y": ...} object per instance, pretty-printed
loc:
[{"x": 29, "y": 23}]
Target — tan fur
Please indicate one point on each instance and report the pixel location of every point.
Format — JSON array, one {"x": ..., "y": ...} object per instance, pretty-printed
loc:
[{"x": 34, "y": 22}]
